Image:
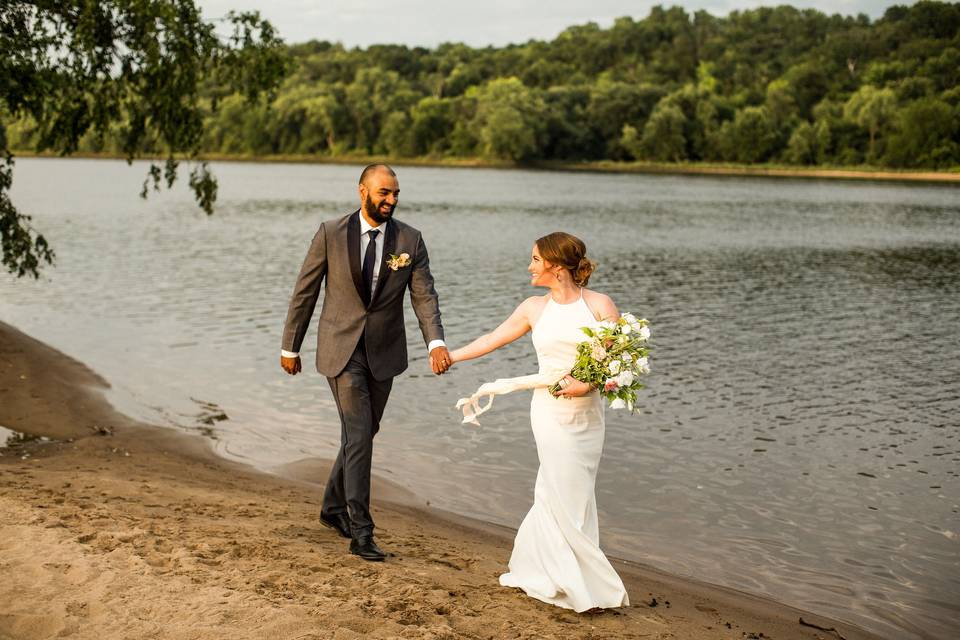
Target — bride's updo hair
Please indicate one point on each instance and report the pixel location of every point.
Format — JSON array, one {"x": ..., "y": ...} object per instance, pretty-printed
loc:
[{"x": 569, "y": 252}]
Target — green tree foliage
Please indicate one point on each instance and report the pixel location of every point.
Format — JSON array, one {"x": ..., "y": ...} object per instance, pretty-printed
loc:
[
  {"x": 568, "y": 129},
  {"x": 613, "y": 103},
  {"x": 763, "y": 85},
  {"x": 397, "y": 138},
  {"x": 809, "y": 143},
  {"x": 698, "y": 112},
  {"x": 750, "y": 137},
  {"x": 927, "y": 135},
  {"x": 507, "y": 120},
  {"x": 872, "y": 109},
  {"x": 432, "y": 123},
  {"x": 773, "y": 84},
  {"x": 142, "y": 72},
  {"x": 663, "y": 134}
]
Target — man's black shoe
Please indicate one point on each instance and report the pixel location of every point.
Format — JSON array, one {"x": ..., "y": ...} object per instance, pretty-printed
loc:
[
  {"x": 339, "y": 522},
  {"x": 366, "y": 548}
]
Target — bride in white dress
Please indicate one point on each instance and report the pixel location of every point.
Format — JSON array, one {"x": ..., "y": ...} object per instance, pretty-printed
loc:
[{"x": 556, "y": 555}]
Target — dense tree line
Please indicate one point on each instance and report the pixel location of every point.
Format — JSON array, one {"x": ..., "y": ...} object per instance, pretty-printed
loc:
[{"x": 776, "y": 85}]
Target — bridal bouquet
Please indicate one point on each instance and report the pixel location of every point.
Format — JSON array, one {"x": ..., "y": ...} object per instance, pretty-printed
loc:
[{"x": 613, "y": 359}]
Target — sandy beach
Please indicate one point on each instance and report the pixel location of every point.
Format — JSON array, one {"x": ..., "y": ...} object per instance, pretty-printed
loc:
[{"x": 114, "y": 529}]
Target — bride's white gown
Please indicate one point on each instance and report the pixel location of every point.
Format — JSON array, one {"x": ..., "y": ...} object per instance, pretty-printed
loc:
[{"x": 556, "y": 555}]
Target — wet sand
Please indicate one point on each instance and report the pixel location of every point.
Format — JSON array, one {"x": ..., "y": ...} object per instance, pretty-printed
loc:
[{"x": 114, "y": 529}]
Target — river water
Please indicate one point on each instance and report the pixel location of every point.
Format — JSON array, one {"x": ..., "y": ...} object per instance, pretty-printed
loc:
[{"x": 798, "y": 437}]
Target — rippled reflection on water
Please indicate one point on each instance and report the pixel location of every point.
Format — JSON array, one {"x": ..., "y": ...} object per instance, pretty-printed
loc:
[{"x": 800, "y": 434}]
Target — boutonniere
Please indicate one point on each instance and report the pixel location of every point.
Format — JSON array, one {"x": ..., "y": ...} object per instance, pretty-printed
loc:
[{"x": 398, "y": 262}]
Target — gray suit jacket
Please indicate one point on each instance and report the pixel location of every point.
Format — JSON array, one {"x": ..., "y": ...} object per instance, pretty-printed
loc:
[{"x": 348, "y": 312}]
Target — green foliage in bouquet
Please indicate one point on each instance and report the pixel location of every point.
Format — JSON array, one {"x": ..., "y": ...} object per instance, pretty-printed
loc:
[{"x": 613, "y": 359}]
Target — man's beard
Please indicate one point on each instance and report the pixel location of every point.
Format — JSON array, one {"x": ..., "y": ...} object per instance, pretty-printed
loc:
[{"x": 373, "y": 210}]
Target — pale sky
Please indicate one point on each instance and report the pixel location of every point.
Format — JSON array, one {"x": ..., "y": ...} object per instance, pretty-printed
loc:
[{"x": 478, "y": 23}]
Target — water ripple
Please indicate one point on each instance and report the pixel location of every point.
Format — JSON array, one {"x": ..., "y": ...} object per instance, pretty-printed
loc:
[{"x": 798, "y": 437}]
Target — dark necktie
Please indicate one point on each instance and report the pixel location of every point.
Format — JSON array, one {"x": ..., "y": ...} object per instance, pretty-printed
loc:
[{"x": 369, "y": 257}]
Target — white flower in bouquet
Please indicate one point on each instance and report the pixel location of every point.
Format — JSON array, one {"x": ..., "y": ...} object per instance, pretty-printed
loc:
[
  {"x": 613, "y": 359},
  {"x": 643, "y": 365}
]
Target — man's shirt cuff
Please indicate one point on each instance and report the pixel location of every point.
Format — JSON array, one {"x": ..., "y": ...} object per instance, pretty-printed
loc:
[{"x": 289, "y": 354}]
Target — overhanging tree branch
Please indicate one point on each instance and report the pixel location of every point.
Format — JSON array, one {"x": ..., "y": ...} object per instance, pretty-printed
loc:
[{"x": 137, "y": 66}]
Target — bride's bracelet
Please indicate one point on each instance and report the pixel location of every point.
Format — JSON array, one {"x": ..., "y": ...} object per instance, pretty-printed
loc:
[{"x": 563, "y": 380}]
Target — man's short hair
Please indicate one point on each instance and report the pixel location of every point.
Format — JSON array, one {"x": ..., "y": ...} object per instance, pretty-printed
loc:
[{"x": 373, "y": 168}]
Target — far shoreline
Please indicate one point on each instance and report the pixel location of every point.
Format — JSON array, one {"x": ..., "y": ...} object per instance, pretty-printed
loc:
[{"x": 877, "y": 174}]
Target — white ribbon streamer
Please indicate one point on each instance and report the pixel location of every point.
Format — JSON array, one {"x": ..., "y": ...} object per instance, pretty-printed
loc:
[{"x": 472, "y": 408}]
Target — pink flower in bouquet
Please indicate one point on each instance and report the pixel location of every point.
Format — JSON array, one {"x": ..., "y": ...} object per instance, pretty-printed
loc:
[
  {"x": 598, "y": 352},
  {"x": 611, "y": 385}
]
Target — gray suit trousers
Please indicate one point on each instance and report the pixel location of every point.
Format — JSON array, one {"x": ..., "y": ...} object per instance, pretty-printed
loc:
[{"x": 360, "y": 400}]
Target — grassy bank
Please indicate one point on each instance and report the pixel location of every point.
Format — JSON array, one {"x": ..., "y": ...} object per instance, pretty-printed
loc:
[{"x": 602, "y": 166}]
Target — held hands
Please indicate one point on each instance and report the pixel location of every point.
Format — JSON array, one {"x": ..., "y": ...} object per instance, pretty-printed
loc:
[
  {"x": 290, "y": 365},
  {"x": 572, "y": 388},
  {"x": 440, "y": 360}
]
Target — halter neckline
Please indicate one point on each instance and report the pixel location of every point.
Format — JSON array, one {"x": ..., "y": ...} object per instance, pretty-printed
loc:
[{"x": 566, "y": 304}]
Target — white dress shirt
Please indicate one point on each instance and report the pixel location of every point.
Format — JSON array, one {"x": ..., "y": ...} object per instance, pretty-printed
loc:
[{"x": 364, "y": 242}]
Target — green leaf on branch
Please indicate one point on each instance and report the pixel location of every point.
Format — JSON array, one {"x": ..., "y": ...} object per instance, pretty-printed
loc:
[
  {"x": 204, "y": 187},
  {"x": 23, "y": 248},
  {"x": 132, "y": 71}
]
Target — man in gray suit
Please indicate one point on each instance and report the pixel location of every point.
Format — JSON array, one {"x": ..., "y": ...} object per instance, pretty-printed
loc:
[{"x": 369, "y": 260}]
